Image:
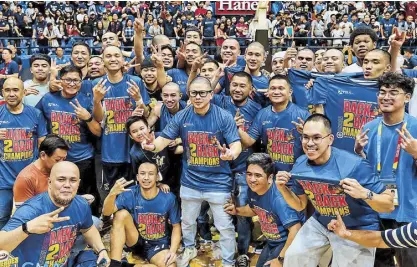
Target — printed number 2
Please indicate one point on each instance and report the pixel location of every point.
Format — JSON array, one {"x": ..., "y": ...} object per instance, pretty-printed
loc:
[
  {"x": 55, "y": 127},
  {"x": 110, "y": 116},
  {"x": 8, "y": 146},
  {"x": 348, "y": 120},
  {"x": 193, "y": 148},
  {"x": 54, "y": 249}
]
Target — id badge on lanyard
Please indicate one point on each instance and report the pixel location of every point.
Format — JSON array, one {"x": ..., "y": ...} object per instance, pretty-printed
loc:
[{"x": 390, "y": 181}]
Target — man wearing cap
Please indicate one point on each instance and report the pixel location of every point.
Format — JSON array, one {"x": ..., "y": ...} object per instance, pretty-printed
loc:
[
  {"x": 37, "y": 34},
  {"x": 149, "y": 73},
  {"x": 278, "y": 64}
]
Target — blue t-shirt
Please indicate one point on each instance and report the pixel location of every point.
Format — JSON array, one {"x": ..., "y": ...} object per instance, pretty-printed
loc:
[
  {"x": 321, "y": 185},
  {"x": 279, "y": 135},
  {"x": 228, "y": 74},
  {"x": 61, "y": 120},
  {"x": 249, "y": 111},
  {"x": 61, "y": 61},
  {"x": 387, "y": 25},
  {"x": 11, "y": 68},
  {"x": 203, "y": 170},
  {"x": 166, "y": 116},
  {"x": 208, "y": 27},
  {"x": 52, "y": 248},
  {"x": 261, "y": 83},
  {"x": 20, "y": 147},
  {"x": 180, "y": 77},
  {"x": 406, "y": 174},
  {"x": 275, "y": 216},
  {"x": 151, "y": 216},
  {"x": 118, "y": 106},
  {"x": 349, "y": 103}
]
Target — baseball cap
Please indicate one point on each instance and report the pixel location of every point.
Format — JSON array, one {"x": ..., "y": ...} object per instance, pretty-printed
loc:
[{"x": 278, "y": 55}]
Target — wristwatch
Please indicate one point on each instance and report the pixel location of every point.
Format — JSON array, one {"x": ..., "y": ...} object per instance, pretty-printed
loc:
[
  {"x": 280, "y": 259},
  {"x": 370, "y": 195},
  {"x": 25, "y": 229}
]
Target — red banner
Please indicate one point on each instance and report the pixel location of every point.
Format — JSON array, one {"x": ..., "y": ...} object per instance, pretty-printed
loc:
[{"x": 236, "y": 7}]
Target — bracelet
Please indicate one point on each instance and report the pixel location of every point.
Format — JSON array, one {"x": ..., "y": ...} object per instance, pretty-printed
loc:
[
  {"x": 154, "y": 148},
  {"x": 89, "y": 119},
  {"x": 101, "y": 250}
]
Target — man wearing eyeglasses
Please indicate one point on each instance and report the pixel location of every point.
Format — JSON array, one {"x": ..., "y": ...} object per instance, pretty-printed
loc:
[
  {"x": 69, "y": 115},
  {"x": 389, "y": 145},
  {"x": 204, "y": 130},
  {"x": 336, "y": 182}
]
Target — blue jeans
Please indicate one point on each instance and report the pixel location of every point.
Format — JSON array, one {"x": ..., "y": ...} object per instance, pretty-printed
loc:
[
  {"x": 243, "y": 223},
  {"x": 6, "y": 206},
  {"x": 191, "y": 205}
]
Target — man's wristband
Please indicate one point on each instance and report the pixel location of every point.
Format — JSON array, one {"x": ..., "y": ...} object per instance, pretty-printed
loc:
[
  {"x": 280, "y": 259},
  {"x": 101, "y": 250},
  {"x": 89, "y": 119},
  {"x": 25, "y": 229}
]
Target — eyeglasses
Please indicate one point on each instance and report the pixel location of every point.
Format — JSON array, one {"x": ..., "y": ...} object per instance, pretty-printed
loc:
[
  {"x": 317, "y": 139},
  {"x": 69, "y": 81},
  {"x": 201, "y": 93},
  {"x": 391, "y": 94}
]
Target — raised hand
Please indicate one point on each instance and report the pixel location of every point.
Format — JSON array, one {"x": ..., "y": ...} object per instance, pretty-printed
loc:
[
  {"x": 397, "y": 39},
  {"x": 156, "y": 57},
  {"x": 198, "y": 63},
  {"x": 147, "y": 144},
  {"x": 138, "y": 111},
  {"x": 225, "y": 153},
  {"x": 119, "y": 186},
  {"x": 181, "y": 51},
  {"x": 55, "y": 86},
  {"x": 45, "y": 223},
  {"x": 299, "y": 125},
  {"x": 239, "y": 119},
  {"x": 353, "y": 188},
  {"x": 99, "y": 91},
  {"x": 361, "y": 140},
  {"x": 80, "y": 112},
  {"x": 408, "y": 143},
  {"x": 282, "y": 178},
  {"x": 134, "y": 91},
  {"x": 139, "y": 25}
]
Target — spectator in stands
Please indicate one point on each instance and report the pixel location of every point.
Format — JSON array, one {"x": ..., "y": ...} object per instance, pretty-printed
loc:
[
  {"x": 15, "y": 57},
  {"x": 127, "y": 35},
  {"x": 60, "y": 60},
  {"x": 317, "y": 29},
  {"x": 347, "y": 28},
  {"x": 115, "y": 26},
  {"x": 4, "y": 30},
  {"x": 50, "y": 35},
  {"x": 38, "y": 29},
  {"x": 209, "y": 31},
  {"x": 9, "y": 67},
  {"x": 410, "y": 29},
  {"x": 221, "y": 35},
  {"x": 411, "y": 58},
  {"x": 242, "y": 30},
  {"x": 169, "y": 26},
  {"x": 19, "y": 15}
]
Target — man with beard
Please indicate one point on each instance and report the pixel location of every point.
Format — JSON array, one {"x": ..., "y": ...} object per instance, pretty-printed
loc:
[
  {"x": 139, "y": 209},
  {"x": 40, "y": 66},
  {"x": 148, "y": 74},
  {"x": 68, "y": 114},
  {"x": 388, "y": 142},
  {"x": 244, "y": 110},
  {"x": 362, "y": 40},
  {"x": 206, "y": 175},
  {"x": 22, "y": 128},
  {"x": 95, "y": 68},
  {"x": 334, "y": 187},
  {"x": 116, "y": 96},
  {"x": 275, "y": 125},
  {"x": 43, "y": 230}
]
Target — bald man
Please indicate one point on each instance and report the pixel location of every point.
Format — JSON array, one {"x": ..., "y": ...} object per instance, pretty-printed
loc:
[
  {"x": 205, "y": 130},
  {"x": 22, "y": 128},
  {"x": 43, "y": 230}
]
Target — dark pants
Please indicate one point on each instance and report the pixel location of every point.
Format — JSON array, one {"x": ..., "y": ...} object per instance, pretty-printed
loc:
[
  {"x": 110, "y": 174},
  {"x": 88, "y": 182},
  {"x": 211, "y": 42},
  {"x": 385, "y": 257}
]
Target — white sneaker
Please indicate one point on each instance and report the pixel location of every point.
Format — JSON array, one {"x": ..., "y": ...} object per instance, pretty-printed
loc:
[{"x": 184, "y": 259}]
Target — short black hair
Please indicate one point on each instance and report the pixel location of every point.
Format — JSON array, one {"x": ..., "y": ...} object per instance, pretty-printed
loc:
[
  {"x": 279, "y": 77},
  {"x": 320, "y": 118},
  {"x": 134, "y": 119},
  {"x": 19, "y": 6},
  {"x": 210, "y": 60},
  {"x": 70, "y": 69},
  {"x": 263, "y": 160},
  {"x": 362, "y": 30},
  {"x": 408, "y": 50},
  {"x": 163, "y": 47},
  {"x": 193, "y": 29},
  {"x": 51, "y": 143},
  {"x": 194, "y": 43},
  {"x": 394, "y": 79},
  {"x": 243, "y": 75},
  {"x": 40, "y": 57},
  {"x": 7, "y": 49},
  {"x": 384, "y": 53},
  {"x": 81, "y": 44}
]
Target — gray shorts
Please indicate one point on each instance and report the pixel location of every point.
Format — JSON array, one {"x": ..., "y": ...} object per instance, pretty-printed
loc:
[{"x": 313, "y": 240}]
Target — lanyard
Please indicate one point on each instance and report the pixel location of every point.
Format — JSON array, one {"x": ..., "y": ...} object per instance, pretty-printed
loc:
[{"x": 397, "y": 150}]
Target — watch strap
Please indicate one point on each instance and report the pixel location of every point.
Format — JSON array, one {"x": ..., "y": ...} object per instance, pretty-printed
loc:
[{"x": 25, "y": 228}]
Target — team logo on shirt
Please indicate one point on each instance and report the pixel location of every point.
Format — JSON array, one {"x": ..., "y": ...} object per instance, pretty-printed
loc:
[
  {"x": 57, "y": 246},
  {"x": 118, "y": 110},
  {"x": 326, "y": 198},
  {"x": 203, "y": 150},
  {"x": 151, "y": 226},
  {"x": 281, "y": 145},
  {"x": 7, "y": 260},
  {"x": 17, "y": 145},
  {"x": 66, "y": 125},
  {"x": 268, "y": 223},
  {"x": 355, "y": 115}
]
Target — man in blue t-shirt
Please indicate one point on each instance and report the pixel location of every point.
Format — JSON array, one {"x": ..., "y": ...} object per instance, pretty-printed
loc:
[
  {"x": 116, "y": 96},
  {"x": 209, "y": 30},
  {"x": 45, "y": 227},
  {"x": 333, "y": 187},
  {"x": 205, "y": 130},
  {"x": 389, "y": 145},
  {"x": 68, "y": 115},
  {"x": 279, "y": 222},
  {"x": 276, "y": 126},
  {"x": 142, "y": 219},
  {"x": 387, "y": 27},
  {"x": 9, "y": 67},
  {"x": 22, "y": 128}
]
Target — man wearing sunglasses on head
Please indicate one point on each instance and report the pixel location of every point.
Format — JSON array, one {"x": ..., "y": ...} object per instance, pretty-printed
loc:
[{"x": 210, "y": 140}]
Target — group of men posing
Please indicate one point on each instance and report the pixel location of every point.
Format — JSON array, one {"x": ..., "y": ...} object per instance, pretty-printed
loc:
[{"x": 245, "y": 144}]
